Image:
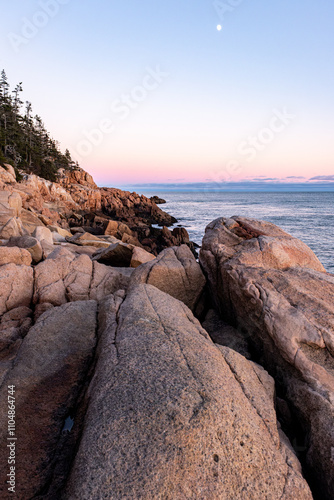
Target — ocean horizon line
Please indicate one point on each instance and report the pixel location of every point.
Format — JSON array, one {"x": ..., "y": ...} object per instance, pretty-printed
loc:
[{"x": 244, "y": 187}]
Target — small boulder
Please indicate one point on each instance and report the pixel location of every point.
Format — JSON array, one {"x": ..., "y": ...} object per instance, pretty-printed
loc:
[
  {"x": 62, "y": 277},
  {"x": 15, "y": 255},
  {"x": 30, "y": 221},
  {"x": 47, "y": 248},
  {"x": 12, "y": 228},
  {"x": 87, "y": 239},
  {"x": 6, "y": 175},
  {"x": 77, "y": 229},
  {"x": 59, "y": 230},
  {"x": 225, "y": 334},
  {"x": 29, "y": 243},
  {"x": 117, "y": 229},
  {"x": 43, "y": 234},
  {"x": 16, "y": 286},
  {"x": 140, "y": 256},
  {"x": 157, "y": 200}
]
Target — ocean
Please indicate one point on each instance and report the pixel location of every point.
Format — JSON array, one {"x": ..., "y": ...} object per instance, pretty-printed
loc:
[{"x": 307, "y": 216}]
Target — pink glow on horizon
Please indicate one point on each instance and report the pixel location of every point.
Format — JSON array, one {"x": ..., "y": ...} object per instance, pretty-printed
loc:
[{"x": 127, "y": 174}]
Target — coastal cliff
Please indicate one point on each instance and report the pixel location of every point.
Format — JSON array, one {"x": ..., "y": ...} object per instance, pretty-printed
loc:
[
  {"x": 74, "y": 203},
  {"x": 142, "y": 373}
]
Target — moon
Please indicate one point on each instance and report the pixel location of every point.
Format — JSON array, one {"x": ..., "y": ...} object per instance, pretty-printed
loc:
[{"x": 219, "y": 27}]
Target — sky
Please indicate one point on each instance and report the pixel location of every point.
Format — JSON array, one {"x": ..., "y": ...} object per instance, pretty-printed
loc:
[{"x": 152, "y": 92}]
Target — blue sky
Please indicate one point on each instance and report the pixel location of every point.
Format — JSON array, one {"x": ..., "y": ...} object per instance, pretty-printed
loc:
[{"x": 254, "y": 100}]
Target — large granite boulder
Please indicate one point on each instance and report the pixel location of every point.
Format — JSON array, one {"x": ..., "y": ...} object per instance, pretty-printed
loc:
[
  {"x": 48, "y": 373},
  {"x": 171, "y": 415},
  {"x": 176, "y": 272},
  {"x": 274, "y": 289}
]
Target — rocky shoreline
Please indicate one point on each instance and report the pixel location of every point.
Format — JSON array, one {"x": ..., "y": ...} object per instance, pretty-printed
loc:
[{"x": 180, "y": 379}]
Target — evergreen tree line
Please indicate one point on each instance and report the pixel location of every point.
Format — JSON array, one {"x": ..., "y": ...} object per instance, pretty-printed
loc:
[{"x": 24, "y": 141}]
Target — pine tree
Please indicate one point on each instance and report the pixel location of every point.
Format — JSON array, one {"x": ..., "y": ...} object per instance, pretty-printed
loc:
[
  {"x": 4, "y": 86},
  {"x": 24, "y": 140}
]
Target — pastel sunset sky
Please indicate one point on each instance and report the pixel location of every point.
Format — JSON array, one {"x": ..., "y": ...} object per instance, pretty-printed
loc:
[{"x": 151, "y": 91}]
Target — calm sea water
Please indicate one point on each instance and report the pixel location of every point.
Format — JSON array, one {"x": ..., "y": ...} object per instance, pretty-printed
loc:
[{"x": 307, "y": 216}]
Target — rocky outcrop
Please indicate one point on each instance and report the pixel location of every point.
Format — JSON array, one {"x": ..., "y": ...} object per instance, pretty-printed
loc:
[
  {"x": 163, "y": 410},
  {"x": 176, "y": 272},
  {"x": 75, "y": 201},
  {"x": 274, "y": 289},
  {"x": 157, "y": 200},
  {"x": 87, "y": 239},
  {"x": 130, "y": 207},
  {"x": 170, "y": 415},
  {"x": 47, "y": 373}
]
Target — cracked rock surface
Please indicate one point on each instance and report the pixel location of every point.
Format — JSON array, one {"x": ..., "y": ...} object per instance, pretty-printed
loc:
[{"x": 168, "y": 418}]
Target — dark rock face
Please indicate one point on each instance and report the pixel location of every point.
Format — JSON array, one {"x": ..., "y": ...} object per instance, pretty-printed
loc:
[
  {"x": 171, "y": 415},
  {"x": 225, "y": 334},
  {"x": 274, "y": 289},
  {"x": 47, "y": 372},
  {"x": 117, "y": 255},
  {"x": 157, "y": 200}
]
